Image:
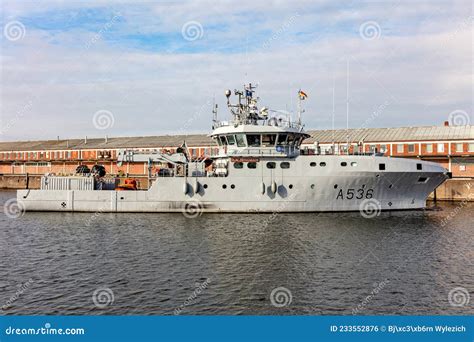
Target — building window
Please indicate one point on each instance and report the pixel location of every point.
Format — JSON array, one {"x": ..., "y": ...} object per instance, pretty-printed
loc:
[
  {"x": 429, "y": 148},
  {"x": 440, "y": 148},
  {"x": 459, "y": 147},
  {"x": 383, "y": 148},
  {"x": 411, "y": 148},
  {"x": 470, "y": 147},
  {"x": 400, "y": 148}
]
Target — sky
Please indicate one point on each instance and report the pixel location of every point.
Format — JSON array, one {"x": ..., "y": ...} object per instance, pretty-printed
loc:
[{"x": 131, "y": 68}]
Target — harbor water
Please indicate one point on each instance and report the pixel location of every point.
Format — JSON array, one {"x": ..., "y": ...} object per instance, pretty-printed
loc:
[{"x": 407, "y": 262}]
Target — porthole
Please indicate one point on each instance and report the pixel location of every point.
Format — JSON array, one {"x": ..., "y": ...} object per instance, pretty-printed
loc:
[
  {"x": 312, "y": 186},
  {"x": 285, "y": 165},
  {"x": 271, "y": 165},
  {"x": 290, "y": 186},
  {"x": 224, "y": 186},
  {"x": 354, "y": 164},
  {"x": 322, "y": 164},
  {"x": 232, "y": 186},
  {"x": 238, "y": 165},
  {"x": 205, "y": 186},
  {"x": 252, "y": 165},
  {"x": 381, "y": 167},
  {"x": 390, "y": 186},
  {"x": 335, "y": 186},
  {"x": 312, "y": 164},
  {"x": 343, "y": 164}
]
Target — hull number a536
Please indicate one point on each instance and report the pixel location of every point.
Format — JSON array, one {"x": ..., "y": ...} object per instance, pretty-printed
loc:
[{"x": 350, "y": 194}]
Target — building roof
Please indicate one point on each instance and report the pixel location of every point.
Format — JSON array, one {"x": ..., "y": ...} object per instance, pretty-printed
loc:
[
  {"x": 394, "y": 134},
  {"x": 367, "y": 135}
]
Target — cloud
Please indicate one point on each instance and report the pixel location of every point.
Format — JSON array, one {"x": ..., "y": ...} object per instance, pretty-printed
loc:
[{"x": 132, "y": 60}]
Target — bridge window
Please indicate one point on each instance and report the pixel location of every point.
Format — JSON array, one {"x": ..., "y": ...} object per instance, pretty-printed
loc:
[
  {"x": 231, "y": 139},
  {"x": 253, "y": 140},
  {"x": 240, "y": 138},
  {"x": 285, "y": 165},
  {"x": 291, "y": 139},
  {"x": 252, "y": 165},
  {"x": 268, "y": 140},
  {"x": 271, "y": 165},
  {"x": 223, "y": 140},
  {"x": 238, "y": 165},
  {"x": 282, "y": 139}
]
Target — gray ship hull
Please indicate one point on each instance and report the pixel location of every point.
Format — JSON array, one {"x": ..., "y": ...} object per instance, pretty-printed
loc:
[{"x": 310, "y": 184}]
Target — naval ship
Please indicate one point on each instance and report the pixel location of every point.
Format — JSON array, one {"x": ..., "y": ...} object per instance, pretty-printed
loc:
[{"x": 260, "y": 167}]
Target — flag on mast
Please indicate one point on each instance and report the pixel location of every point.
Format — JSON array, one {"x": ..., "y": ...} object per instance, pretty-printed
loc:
[{"x": 302, "y": 95}]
